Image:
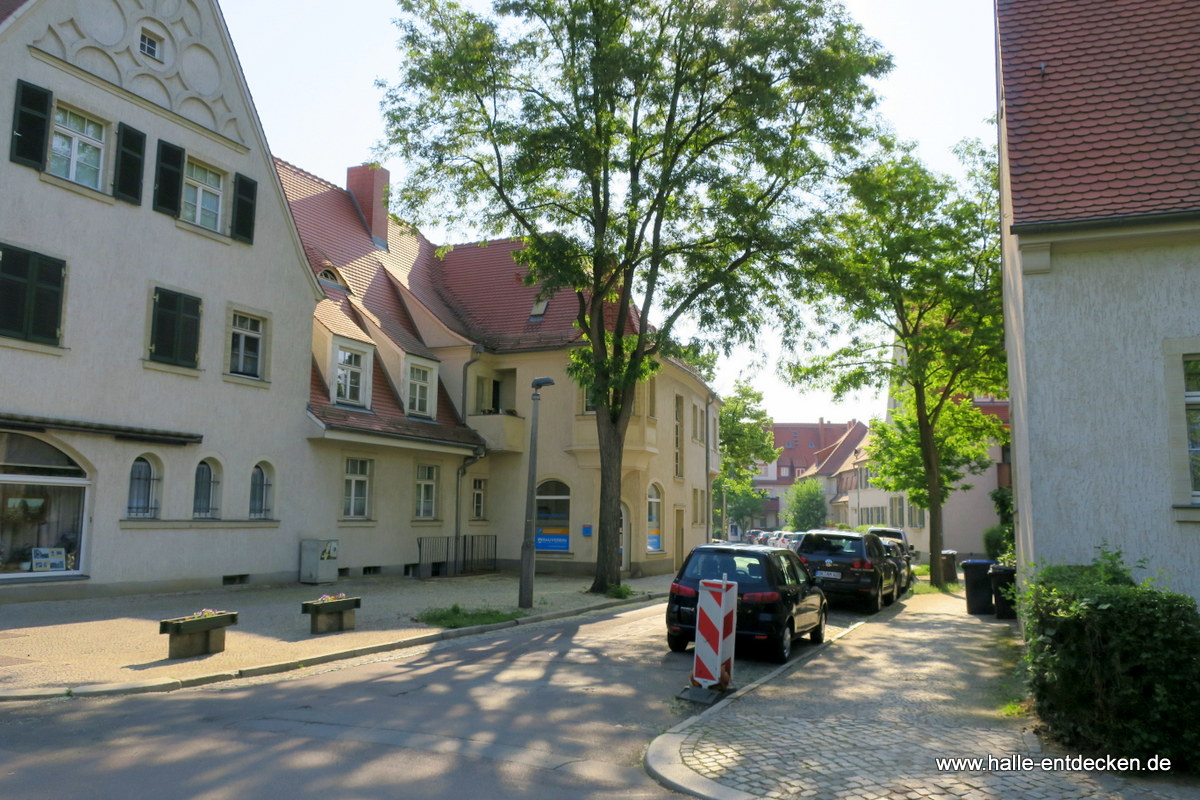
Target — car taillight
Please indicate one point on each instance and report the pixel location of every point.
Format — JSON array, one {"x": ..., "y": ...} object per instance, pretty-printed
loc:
[
  {"x": 804, "y": 559},
  {"x": 684, "y": 591},
  {"x": 761, "y": 597},
  {"x": 863, "y": 564}
]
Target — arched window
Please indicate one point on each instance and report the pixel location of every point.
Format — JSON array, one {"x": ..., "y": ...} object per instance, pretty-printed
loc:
[
  {"x": 553, "y": 521},
  {"x": 654, "y": 519},
  {"x": 42, "y": 501},
  {"x": 260, "y": 492},
  {"x": 204, "y": 499},
  {"x": 143, "y": 500}
]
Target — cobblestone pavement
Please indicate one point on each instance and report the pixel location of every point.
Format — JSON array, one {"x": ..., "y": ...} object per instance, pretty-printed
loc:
[{"x": 868, "y": 716}]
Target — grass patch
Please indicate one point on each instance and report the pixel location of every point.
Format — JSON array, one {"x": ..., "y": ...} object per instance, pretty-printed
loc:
[
  {"x": 924, "y": 587},
  {"x": 620, "y": 591},
  {"x": 921, "y": 569},
  {"x": 458, "y": 617}
]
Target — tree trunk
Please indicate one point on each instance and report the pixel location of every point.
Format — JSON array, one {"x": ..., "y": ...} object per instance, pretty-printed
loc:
[
  {"x": 611, "y": 437},
  {"x": 933, "y": 484}
]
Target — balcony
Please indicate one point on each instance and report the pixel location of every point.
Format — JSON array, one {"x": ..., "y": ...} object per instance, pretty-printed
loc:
[
  {"x": 505, "y": 433},
  {"x": 641, "y": 442}
]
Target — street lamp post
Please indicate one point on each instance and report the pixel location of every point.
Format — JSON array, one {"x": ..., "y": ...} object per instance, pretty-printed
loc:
[{"x": 525, "y": 592}]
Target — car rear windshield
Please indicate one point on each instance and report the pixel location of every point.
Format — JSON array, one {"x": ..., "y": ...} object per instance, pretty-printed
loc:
[
  {"x": 745, "y": 568},
  {"x": 831, "y": 544}
]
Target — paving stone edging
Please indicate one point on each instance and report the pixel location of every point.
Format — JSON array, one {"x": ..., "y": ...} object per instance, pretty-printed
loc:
[{"x": 174, "y": 684}]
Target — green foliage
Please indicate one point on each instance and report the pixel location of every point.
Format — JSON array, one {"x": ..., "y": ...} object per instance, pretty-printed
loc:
[
  {"x": 746, "y": 440},
  {"x": 658, "y": 160},
  {"x": 620, "y": 591},
  {"x": 1113, "y": 667},
  {"x": 457, "y": 617},
  {"x": 803, "y": 505},
  {"x": 998, "y": 541},
  {"x": 963, "y": 437}
]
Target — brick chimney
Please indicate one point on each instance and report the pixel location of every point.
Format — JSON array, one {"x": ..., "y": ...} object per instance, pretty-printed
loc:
[{"x": 368, "y": 183}]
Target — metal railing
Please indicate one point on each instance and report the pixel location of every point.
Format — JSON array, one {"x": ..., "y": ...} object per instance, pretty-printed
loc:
[{"x": 477, "y": 553}]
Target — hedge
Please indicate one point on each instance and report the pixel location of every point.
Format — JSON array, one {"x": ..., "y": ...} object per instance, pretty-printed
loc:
[{"x": 1114, "y": 667}]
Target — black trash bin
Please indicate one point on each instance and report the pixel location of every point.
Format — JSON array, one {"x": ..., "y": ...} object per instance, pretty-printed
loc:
[
  {"x": 978, "y": 585},
  {"x": 1004, "y": 582},
  {"x": 949, "y": 573}
]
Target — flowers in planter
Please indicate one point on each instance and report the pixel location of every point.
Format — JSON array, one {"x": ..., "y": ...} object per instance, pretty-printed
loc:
[
  {"x": 329, "y": 598},
  {"x": 205, "y": 612}
]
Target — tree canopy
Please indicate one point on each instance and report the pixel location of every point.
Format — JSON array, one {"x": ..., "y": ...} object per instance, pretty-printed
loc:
[
  {"x": 804, "y": 506},
  {"x": 746, "y": 441},
  {"x": 912, "y": 261},
  {"x": 658, "y": 158}
]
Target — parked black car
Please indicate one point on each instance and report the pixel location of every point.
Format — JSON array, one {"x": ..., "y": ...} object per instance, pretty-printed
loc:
[
  {"x": 849, "y": 564},
  {"x": 904, "y": 571},
  {"x": 777, "y": 599},
  {"x": 895, "y": 535}
]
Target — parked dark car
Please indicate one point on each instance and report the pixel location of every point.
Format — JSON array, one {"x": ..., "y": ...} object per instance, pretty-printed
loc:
[
  {"x": 895, "y": 535},
  {"x": 777, "y": 599},
  {"x": 899, "y": 556},
  {"x": 848, "y": 564}
]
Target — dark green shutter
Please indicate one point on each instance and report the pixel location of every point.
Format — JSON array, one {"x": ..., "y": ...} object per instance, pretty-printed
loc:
[
  {"x": 175, "y": 328},
  {"x": 31, "y": 289},
  {"x": 168, "y": 179},
  {"x": 131, "y": 159},
  {"x": 245, "y": 193},
  {"x": 31, "y": 125}
]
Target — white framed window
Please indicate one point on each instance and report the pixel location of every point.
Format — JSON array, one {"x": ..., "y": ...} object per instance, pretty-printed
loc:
[
  {"x": 204, "y": 497},
  {"x": 260, "y": 492},
  {"x": 896, "y": 512},
  {"x": 351, "y": 379},
  {"x": 202, "y": 195},
  {"x": 679, "y": 434},
  {"x": 426, "y": 492},
  {"x": 654, "y": 519},
  {"x": 916, "y": 517},
  {"x": 356, "y": 491},
  {"x": 246, "y": 345},
  {"x": 150, "y": 45},
  {"x": 77, "y": 148},
  {"x": 419, "y": 379},
  {"x": 1191, "y": 399},
  {"x": 143, "y": 490},
  {"x": 478, "y": 498}
]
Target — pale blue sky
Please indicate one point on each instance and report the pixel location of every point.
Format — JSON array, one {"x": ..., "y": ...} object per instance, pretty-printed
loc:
[{"x": 312, "y": 65}]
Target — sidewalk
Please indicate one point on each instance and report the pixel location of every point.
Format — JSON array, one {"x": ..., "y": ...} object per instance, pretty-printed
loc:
[
  {"x": 111, "y": 645},
  {"x": 866, "y": 716}
]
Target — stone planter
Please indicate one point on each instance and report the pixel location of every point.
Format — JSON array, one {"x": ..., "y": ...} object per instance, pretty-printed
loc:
[
  {"x": 329, "y": 616},
  {"x": 197, "y": 636}
]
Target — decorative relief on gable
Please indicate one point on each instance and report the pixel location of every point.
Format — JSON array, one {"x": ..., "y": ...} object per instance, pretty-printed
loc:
[{"x": 104, "y": 37}]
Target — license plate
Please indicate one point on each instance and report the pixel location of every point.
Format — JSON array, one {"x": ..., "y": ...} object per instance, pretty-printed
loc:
[{"x": 824, "y": 573}]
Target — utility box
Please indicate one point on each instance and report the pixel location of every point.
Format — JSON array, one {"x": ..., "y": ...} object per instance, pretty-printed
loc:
[{"x": 318, "y": 560}]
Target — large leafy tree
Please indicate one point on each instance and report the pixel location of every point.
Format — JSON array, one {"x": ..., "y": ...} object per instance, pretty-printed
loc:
[
  {"x": 657, "y": 157},
  {"x": 912, "y": 260},
  {"x": 804, "y": 505},
  {"x": 747, "y": 440}
]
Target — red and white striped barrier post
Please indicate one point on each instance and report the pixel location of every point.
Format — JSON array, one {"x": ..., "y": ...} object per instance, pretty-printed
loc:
[{"x": 716, "y": 614}]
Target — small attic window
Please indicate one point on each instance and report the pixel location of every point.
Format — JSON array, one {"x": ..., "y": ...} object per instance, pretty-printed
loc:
[
  {"x": 539, "y": 308},
  {"x": 150, "y": 45},
  {"x": 331, "y": 276}
]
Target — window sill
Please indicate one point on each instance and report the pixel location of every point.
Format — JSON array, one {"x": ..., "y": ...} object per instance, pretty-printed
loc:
[
  {"x": 174, "y": 369},
  {"x": 555, "y": 554},
  {"x": 245, "y": 380},
  {"x": 357, "y": 523},
  {"x": 426, "y": 522},
  {"x": 657, "y": 553},
  {"x": 78, "y": 188},
  {"x": 184, "y": 524},
  {"x": 33, "y": 347},
  {"x": 200, "y": 230},
  {"x": 1186, "y": 513},
  {"x": 344, "y": 406}
]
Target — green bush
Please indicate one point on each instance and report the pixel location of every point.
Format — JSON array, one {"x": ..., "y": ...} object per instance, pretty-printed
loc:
[
  {"x": 620, "y": 591},
  {"x": 996, "y": 540},
  {"x": 1113, "y": 667}
]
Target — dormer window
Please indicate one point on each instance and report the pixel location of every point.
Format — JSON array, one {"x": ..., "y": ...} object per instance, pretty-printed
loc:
[
  {"x": 150, "y": 45},
  {"x": 539, "y": 308},
  {"x": 352, "y": 374},
  {"x": 421, "y": 378}
]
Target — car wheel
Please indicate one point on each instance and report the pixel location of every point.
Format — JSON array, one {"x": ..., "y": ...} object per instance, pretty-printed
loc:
[
  {"x": 783, "y": 645},
  {"x": 875, "y": 601},
  {"x": 894, "y": 594},
  {"x": 676, "y": 642},
  {"x": 817, "y": 634}
]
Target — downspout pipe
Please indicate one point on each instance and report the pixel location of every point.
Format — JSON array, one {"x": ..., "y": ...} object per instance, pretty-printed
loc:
[
  {"x": 708, "y": 446},
  {"x": 468, "y": 461}
]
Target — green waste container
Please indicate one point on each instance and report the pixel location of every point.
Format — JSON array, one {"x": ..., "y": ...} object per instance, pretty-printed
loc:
[
  {"x": 1004, "y": 582},
  {"x": 949, "y": 572}
]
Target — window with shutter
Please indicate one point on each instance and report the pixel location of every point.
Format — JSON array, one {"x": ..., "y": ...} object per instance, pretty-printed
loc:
[
  {"x": 31, "y": 125},
  {"x": 130, "y": 164},
  {"x": 168, "y": 179},
  {"x": 245, "y": 193},
  {"x": 31, "y": 289},
  {"x": 175, "y": 329}
]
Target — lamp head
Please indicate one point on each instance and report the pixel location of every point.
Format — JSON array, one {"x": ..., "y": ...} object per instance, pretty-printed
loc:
[{"x": 538, "y": 383}]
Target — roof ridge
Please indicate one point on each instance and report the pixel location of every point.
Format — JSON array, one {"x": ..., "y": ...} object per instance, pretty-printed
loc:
[{"x": 302, "y": 171}]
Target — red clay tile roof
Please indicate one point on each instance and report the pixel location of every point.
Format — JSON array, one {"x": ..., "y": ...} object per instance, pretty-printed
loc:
[
  {"x": 1102, "y": 107},
  {"x": 8, "y": 7}
]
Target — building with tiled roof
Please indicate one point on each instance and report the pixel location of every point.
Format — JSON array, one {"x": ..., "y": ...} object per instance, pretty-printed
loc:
[
  {"x": 464, "y": 317},
  {"x": 151, "y": 285},
  {"x": 1100, "y": 189},
  {"x": 798, "y": 444}
]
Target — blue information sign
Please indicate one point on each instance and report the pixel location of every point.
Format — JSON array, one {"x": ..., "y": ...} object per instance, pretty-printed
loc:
[{"x": 552, "y": 539}]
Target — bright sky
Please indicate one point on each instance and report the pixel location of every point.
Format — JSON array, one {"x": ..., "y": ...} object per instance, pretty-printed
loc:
[{"x": 312, "y": 72}]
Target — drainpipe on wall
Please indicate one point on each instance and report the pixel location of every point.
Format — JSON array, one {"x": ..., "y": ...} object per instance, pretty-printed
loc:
[
  {"x": 708, "y": 445},
  {"x": 474, "y": 458},
  {"x": 462, "y": 409}
]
